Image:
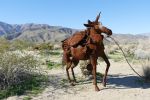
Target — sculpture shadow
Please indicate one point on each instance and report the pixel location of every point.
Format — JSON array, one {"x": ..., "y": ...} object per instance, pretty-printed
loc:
[
  {"x": 119, "y": 82},
  {"x": 127, "y": 81}
]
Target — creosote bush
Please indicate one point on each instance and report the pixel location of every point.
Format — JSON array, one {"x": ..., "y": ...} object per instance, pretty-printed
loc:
[
  {"x": 43, "y": 46},
  {"x": 6, "y": 45},
  {"x": 20, "y": 45},
  {"x": 86, "y": 68},
  {"x": 19, "y": 73},
  {"x": 52, "y": 65}
]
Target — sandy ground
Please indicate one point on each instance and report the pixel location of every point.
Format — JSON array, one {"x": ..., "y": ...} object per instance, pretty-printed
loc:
[{"x": 122, "y": 84}]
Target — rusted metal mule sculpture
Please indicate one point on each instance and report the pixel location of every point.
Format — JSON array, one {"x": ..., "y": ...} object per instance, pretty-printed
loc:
[{"x": 86, "y": 45}]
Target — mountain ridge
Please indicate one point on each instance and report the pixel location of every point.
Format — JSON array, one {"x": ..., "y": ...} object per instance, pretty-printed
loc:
[
  {"x": 34, "y": 32},
  {"x": 47, "y": 33}
]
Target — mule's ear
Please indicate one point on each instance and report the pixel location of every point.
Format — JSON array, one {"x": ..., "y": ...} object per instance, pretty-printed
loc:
[
  {"x": 87, "y": 25},
  {"x": 89, "y": 22}
]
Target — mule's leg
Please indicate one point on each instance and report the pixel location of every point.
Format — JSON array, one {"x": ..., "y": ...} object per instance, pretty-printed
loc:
[
  {"x": 107, "y": 68},
  {"x": 74, "y": 64},
  {"x": 74, "y": 78},
  {"x": 67, "y": 71},
  {"x": 66, "y": 60},
  {"x": 93, "y": 60}
]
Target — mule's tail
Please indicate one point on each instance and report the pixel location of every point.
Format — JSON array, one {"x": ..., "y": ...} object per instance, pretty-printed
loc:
[
  {"x": 63, "y": 62},
  {"x": 64, "y": 47},
  {"x": 65, "y": 44}
]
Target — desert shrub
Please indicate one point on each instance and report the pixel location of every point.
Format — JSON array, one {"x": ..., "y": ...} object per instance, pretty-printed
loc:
[
  {"x": 114, "y": 52},
  {"x": 141, "y": 54},
  {"x": 111, "y": 49},
  {"x": 146, "y": 69},
  {"x": 117, "y": 56},
  {"x": 20, "y": 44},
  {"x": 57, "y": 47},
  {"x": 43, "y": 46},
  {"x": 50, "y": 54},
  {"x": 52, "y": 64},
  {"x": 129, "y": 53},
  {"x": 18, "y": 74},
  {"x": 142, "y": 51},
  {"x": 86, "y": 68},
  {"x": 27, "y": 98},
  {"x": 4, "y": 45},
  {"x": 54, "y": 53}
]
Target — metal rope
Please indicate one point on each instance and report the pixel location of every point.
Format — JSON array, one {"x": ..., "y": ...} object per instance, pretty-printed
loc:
[{"x": 126, "y": 58}]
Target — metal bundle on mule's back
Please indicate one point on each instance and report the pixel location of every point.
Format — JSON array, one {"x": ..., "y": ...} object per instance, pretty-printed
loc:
[
  {"x": 79, "y": 38},
  {"x": 76, "y": 38}
]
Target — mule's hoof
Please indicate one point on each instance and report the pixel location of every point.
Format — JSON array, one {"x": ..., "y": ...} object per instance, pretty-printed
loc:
[
  {"x": 72, "y": 84},
  {"x": 104, "y": 84},
  {"x": 97, "y": 88},
  {"x": 75, "y": 81},
  {"x": 70, "y": 81}
]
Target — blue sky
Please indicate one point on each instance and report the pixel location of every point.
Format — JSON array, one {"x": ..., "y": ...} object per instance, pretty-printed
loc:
[{"x": 122, "y": 16}]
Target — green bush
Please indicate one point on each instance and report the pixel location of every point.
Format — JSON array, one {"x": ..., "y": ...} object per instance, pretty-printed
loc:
[
  {"x": 4, "y": 45},
  {"x": 43, "y": 46},
  {"x": 19, "y": 45},
  {"x": 19, "y": 74},
  {"x": 27, "y": 98},
  {"x": 54, "y": 53},
  {"x": 52, "y": 65},
  {"x": 85, "y": 67}
]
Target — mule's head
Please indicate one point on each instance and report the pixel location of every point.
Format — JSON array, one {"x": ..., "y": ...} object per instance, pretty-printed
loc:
[{"x": 98, "y": 27}]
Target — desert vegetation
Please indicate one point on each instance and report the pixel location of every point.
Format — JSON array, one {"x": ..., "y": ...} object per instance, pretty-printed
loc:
[
  {"x": 27, "y": 67},
  {"x": 133, "y": 50},
  {"x": 19, "y": 73}
]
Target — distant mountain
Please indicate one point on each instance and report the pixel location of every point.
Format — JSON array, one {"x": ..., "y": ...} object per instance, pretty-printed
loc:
[
  {"x": 5, "y": 28},
  {"x": 46, "y": 33},
  {"x": 146, "y": 34},
  {"x": 35, "y": 32},
  {"x": 129, "y": 38}
]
